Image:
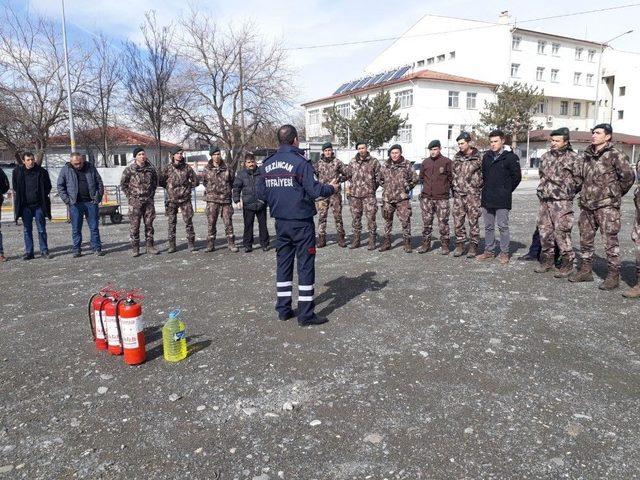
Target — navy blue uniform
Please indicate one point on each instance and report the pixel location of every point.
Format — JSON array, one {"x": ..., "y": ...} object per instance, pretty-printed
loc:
[{"x": 288, "y": 185}]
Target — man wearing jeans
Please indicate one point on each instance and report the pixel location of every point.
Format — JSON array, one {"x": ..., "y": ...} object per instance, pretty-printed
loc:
[
  {"x": 31, "y": 186},
  {"x": 501, "y": 175},
  {"x": 4, "y": 188},
  {"x": 80, "y": 187}
]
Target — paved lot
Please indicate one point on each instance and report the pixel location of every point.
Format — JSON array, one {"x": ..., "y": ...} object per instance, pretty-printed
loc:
[{"x": 430, "y": 367}]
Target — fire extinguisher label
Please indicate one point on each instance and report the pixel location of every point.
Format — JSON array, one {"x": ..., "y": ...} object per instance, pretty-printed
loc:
[
  {"x": 99, "y": 330},
  {"x": 112, "y": 330},
  {"x": 130, "y": 328}
]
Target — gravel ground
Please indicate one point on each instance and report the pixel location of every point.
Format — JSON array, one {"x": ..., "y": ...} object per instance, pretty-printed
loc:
[{"x": 430, "y": 367}]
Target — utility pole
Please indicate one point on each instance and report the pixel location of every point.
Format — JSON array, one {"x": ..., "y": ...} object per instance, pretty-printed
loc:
[
  {"x": 242, "y": 125},
  {"x": 72, "y": 134}
]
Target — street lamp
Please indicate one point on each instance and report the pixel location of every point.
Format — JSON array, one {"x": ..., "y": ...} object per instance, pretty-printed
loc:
[
  {"x": 603, "y": 45},
  {"x": 72, "y": 135}
]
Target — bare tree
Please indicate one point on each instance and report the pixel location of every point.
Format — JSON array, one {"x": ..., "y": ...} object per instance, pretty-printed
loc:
[
  {"x": 148, "y": 79},
  {"x": 225, "y": 68},
  {"x": 99, "y": 99},
  {"x": 32, "y": 80}
]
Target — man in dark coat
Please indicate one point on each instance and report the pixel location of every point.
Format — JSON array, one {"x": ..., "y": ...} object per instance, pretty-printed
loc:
[
  {"x": 501, "y": 175},
  {"x": 244, "y": 196},
  {"x": 32, "y": 185},
  {"x": 4, "y": 188}
]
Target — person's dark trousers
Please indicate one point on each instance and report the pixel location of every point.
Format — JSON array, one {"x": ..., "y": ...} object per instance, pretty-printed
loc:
[
  {"x": 536, "y": 247},
  {"x": 249, "y": 218},
  {"x": 79, "y": 211},
  {"x": 296, "y": 239},
  {"x": 28, "y": 215}
]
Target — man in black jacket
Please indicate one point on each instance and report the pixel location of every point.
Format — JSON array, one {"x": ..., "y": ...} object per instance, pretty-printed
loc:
[
  {"x": 244, "y": 196},
  {"x": 501, "y": 175},
  {"x": 4, "y": 188},
  {"x": 31, "y": 186}
]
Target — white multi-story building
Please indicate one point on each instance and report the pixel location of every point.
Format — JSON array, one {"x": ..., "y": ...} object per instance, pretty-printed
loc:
[
  {"x": 565, "y": 70},
  {"x": 436, "y": 106}
]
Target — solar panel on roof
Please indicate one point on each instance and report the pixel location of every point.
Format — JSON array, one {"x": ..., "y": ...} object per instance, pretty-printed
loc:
[
  {"x": 341, "y": 88},
  {"x": 350, "y": 86},
  {"x": 362, "y": 83},
  {"x": 374, "y": 79},
  {"x": 386, "y": 76},
  {"x": 398, "y": 73}
]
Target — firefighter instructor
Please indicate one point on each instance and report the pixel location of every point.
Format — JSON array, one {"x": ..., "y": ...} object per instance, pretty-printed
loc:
[{"x": 288, "y": 185}]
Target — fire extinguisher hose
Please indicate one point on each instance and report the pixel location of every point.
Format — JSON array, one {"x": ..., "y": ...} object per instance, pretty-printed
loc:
[{"x": 91, "y": 323}]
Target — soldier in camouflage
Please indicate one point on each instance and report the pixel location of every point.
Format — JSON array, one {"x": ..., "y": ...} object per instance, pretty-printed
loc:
[
  {"x": 179, "y": 179},
  {"x": 436, "y": 176},
  {"x": 606, "y": 177},
  {"x": 139, "y": 182},
  {"x": 218, "y": 179},
  {"x": 634, "y": 292},
  {"x": 467, "y": 192},
  {"x": 397, "y": 177},
  {"x": 559, "y": 183},
  {"x": 327, "y": 169},
  {"x": 363, "y": 172}
]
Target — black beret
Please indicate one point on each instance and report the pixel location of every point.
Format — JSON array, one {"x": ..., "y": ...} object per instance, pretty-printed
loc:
[
  {"x": 327, "y": 145},
  {"x": 563, "y": 131},
  {"x": 463, "y": 136},
  {"x": 213, "y": 149},
  {"x": 137, "y": 150},
  {"x": 434, "y": 144},
  {"x": 175, "y": 149},
  {"x": 394, "y": 147},
  {"x": 605, "y": 126},
  {"x": 361, "y": 143}
]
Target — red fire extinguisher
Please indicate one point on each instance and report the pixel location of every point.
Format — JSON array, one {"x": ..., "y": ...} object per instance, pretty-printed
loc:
[
  {"x": 129, "y": 319},
  {"x": 114, "y": 343},
  {"x": 97, "y": 304}
]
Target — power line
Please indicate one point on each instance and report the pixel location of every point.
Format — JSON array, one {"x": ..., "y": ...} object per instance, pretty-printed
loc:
[{"x": 493, "y": 25}]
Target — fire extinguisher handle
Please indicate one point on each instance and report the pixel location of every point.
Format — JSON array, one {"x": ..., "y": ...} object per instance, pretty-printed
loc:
[{"x": 91, "y": 322}]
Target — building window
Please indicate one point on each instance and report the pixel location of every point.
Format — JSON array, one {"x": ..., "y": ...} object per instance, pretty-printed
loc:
[
  {"x": 576, "y": 78},
  {"x": 622, "y": 91},
  {"x": 430, "y": 61},
  {"x": 452, "y": 55},
  {"x": 564, "y": 107},
  {"x": 344, "y": 110},
  {"x": 539, "y": 73},
  {"x": 592, "y": 55},
  {"x": 420, "y": 63},
  {"x": 515, "y": 42},
  {"x": 453, "y": 99},
  {"x": 405, "y": 98},
  {"x": 554, "y": 75},
  {"x": 449, "y": 132},
  {"x": 579, "y": 51},
  {"x": 541, "y": 46},
  {"x": 471, "y": 101},
  {"x": 440, "y": 58},
  {"x": 555, "y": 49},
  {"x": 120, "y": 159},
  {"x": 589, "y": 79},
  {"x": 404, "y": 134},
  {"x": 576, "y": 109},
  {"x": 314, "y": 117},
  {"x": 542, "y": 107},
  {"x": 514, "y": 70},
  {"x": 620, "y": 114}
]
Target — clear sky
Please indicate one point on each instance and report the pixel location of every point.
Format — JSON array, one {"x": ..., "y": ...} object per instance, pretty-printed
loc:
[{"x": 312, "y": 22}]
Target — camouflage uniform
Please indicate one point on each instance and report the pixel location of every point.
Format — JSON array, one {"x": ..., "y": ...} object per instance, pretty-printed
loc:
[
  {"x": 139, "y": 185},
  {"x": 328, "y": 169},
  {"x": 179, "y": 180},
  {"x": 363, "y": 174},
  {"x": 635, "y": 235},
  {"x": 559, "y": 183},
  {"x": 435, "y": 176},
  {"x": 397, "y": 179},
  {"x": 218, "y": 183},
  {"x": 467, "y": 191},
  {"x": 606, "y": 177}
]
